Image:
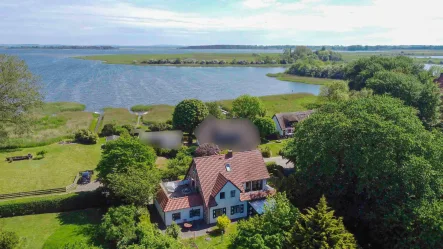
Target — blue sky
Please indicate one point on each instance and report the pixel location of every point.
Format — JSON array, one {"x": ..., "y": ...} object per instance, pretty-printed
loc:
[{"x": 194, "y": 22}]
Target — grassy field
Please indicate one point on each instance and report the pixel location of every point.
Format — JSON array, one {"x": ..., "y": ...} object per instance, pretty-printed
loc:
[
  {"x": 300, "y": 79},
  {"x": 158, "y": 113},
  {"x": 274, "y": 146},
  {"x": 282, "y": 103},
  {"x": 217, "y": 241},
  {"x": 52, "y": 231},
  {"x": 130, "y": 58},
  {"x": 53, "y": 122},
  {"x": 119, "y": 116},
  {"x": 56, "y": 170}
]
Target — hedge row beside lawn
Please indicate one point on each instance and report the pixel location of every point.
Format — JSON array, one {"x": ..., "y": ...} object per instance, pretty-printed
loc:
[{"x": 52, "y": 204}]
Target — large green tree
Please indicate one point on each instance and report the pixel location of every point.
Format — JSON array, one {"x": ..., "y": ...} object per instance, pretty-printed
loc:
[
  {"x": 124, "y": 153},
  {"x": 188, "y": 114},
  {"x": 335, "y": 91},
  {"x": 119, "y": 223},
  {"x": 214, "y": 109},
  {"x": 249, "y": 107},
  {"x": 377, "y": 165},
  {"x": 137, "y": 186},
  {"x": 320, "y": 229},
  {"x": 270, "y": 230},
  {"x": 423, "y": 96},
  {"x": 19, "y": 94},
  {"x": 265, "y": 126},
  {"x": 359, "y": 71}
]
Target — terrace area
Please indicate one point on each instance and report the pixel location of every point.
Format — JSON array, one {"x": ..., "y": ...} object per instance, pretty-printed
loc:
[{"x": 178, "y": 189}]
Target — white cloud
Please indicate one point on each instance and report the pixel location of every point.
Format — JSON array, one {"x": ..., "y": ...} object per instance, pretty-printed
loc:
[
  {"x": 258, "y": 4},
  {"x": 396, "y": 21}
]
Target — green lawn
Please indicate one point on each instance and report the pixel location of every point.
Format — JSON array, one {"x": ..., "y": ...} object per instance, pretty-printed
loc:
[
  {"x": 119, "y": 116},
  {"x": 159, "y": 113},
  {"x": 130, "y": 58},
  {"x": 300, "y": 79},
  {"x": 216, "y": 241},
  {"x": 52, "y": 231},
  {"x": 56, "y": 170},
  {"x": 274, "y": 146}
]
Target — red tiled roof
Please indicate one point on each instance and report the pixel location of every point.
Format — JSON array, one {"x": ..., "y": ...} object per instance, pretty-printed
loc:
[
  {"x": 169, "y": 204},
  {"x": 245, "y": 166}
]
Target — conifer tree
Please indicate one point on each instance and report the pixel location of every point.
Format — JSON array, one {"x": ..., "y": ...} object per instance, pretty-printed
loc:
[{"x": 319, "y": 229}]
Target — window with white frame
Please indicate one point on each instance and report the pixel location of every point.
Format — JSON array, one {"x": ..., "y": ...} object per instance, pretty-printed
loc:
[
  {"x": 218, "y": 212},
  {"x": 176, "y": 216},
  {"x": 194, "y": 213},
  {"x": 237, "y": 209}
]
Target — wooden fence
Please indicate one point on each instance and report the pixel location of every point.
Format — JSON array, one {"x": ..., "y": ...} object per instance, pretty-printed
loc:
[
  {"x": 33, "y": 193},
  {"x": 68, "y": 188}
]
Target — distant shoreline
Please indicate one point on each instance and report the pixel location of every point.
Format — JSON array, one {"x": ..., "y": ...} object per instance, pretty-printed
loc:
[{"x": 63, "y": 47}]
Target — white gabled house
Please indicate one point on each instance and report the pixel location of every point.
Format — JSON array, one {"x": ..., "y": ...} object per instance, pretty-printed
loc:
[{"x": 232, "y": 184}]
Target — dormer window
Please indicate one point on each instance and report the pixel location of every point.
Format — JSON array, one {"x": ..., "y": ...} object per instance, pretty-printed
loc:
[{"x": 228, "y": 167}]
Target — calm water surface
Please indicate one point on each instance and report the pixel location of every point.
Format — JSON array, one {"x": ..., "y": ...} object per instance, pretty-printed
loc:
[{"x": 101, "y": 85}]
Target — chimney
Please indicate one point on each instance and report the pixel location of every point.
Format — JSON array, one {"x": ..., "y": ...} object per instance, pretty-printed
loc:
[{"x": 229, "y": 155}]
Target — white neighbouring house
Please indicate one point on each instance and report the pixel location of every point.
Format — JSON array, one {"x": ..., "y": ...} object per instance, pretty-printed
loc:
[
  {"x": 284, "y": 121},
  {"x": 233, "y": 184}
]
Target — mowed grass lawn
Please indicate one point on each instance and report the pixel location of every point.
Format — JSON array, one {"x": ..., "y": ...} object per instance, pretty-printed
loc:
[
  {"x": 274, "y": 146},
  {"x": 56, "y": 170},
  {"x": 52, "y": 231},
  {"x": 216, "y": 240}
]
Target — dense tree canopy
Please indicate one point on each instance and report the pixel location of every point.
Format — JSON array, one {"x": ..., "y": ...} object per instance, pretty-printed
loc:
[
  {"x": 318, "y": 228},
  {"x": 377, "y": 165},
  {"x": 265, "y": 126},
  {"x": 423, "y": 96},
  {"x": 249, "y": 107},
  {"x": 19, "y": 94},
  {"x": 119, "y": 223},
  {"x": 359, "y": 71},
  {"x": 8, "y": 239},
  {"x": 214, "y": 109},
  {"x": 124, "y": 153},
  {"x": 188, "y": 114},
  {"x": 335, "y": 91},
  {"x": 270, "y": 230},
  {"x": 137, "y": 186}
]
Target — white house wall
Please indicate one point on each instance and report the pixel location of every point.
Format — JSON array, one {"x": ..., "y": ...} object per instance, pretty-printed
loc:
[
  {"x": 280, "y": 131},
  {"x": 228, "y": 202},
  {"x": 160, "y": 210},
  {"x": 184, "y": 215}
]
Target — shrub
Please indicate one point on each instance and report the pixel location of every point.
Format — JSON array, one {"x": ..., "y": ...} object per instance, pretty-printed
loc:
[
  {"x": 141, "y": 108},
  {"x": 8, "y": 240},
  {"x": 160, "y": 126},
  {"x": 108, "y": 130},
  {"x": 165, "y": 152},
  {"x": 42, "y": 153},
  {"x": 207, "y": 149},
  {"x": 85, "y": 136},
  {"x": 266, "y": 152},
  {"x": 173, "y": 230},
  {"x": 223, "y": 222},
  {"x": 52, "y": 204}
]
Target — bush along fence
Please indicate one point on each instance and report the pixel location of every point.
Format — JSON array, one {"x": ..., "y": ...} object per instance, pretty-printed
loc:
[
  {"x": 52, "y": 204},
  {"x": 68, "y": 188}
]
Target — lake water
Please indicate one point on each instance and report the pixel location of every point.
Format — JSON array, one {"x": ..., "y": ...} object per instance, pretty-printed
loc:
[{"x": 101, "y": 85}]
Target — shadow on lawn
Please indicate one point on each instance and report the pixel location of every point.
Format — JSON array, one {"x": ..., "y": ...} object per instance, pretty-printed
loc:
[{"x": 88, "y": 222}]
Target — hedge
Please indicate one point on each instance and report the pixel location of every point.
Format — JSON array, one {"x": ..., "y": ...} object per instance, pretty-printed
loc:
[{"x": 52, "y": 204}]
